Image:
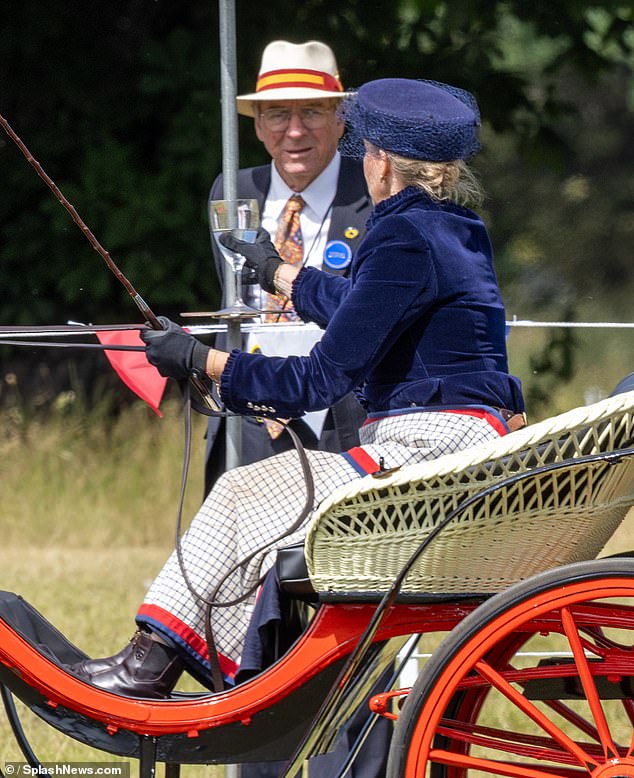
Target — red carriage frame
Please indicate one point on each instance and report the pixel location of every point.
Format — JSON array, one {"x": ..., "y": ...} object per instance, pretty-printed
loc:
[{"x": 293, "y": 709}]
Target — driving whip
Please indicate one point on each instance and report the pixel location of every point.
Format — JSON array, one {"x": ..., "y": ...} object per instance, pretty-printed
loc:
[{"x": 200, "y": 383}]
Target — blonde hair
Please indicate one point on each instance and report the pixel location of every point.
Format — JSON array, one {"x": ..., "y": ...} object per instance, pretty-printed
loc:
[{"x": 453, "y": 181}]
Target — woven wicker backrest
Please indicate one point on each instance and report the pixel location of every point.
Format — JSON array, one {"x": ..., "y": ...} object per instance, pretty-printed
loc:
[{"x": 361, "y": 536}]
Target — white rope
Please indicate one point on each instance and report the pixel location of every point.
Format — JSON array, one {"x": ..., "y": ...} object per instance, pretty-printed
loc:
[
  {"x": 260, "y": 327},
  {"x": 515, "y": 322},
  {"x": 255, "y": 327}
]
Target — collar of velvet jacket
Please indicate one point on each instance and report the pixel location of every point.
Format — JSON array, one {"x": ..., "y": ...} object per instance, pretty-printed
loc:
[{"x": 407, "y": 197}]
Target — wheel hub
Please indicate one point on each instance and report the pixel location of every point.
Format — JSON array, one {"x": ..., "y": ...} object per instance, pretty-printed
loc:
[{"x": 619, "y": 767}]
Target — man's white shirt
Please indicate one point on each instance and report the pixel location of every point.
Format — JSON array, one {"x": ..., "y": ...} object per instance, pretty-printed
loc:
[
  {"x": 314, "y": 221},
  {"x": 314, "y": 218}
]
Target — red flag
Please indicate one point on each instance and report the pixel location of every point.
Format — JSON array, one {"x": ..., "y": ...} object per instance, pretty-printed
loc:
[{"x": 133, "y": 368}]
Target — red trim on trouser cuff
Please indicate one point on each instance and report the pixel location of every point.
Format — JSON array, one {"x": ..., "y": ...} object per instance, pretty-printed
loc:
[
  {"x": 498, "y": 425},
  {"x": 363, "y": 459},
  {"x": 186, "y": 634}
]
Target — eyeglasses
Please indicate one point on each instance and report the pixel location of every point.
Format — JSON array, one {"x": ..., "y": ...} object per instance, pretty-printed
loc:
[{"x": 277, "y": 119}]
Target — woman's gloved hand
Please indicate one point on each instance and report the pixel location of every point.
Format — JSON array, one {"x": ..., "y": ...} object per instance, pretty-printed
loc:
[
  {"x": 260, "y": 256},
  {"x": 174, "y": 352}
]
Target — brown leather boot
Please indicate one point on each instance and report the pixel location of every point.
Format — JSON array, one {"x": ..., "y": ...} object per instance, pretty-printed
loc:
[
  {"x": 144, "y": 668},
  {"x": 89, "y": 666}
]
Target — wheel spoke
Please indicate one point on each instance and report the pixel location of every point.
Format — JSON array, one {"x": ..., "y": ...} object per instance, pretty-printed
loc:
[
  {"x": 492, "y": 766},
  {"x": 573, "y": 717},
  {"x": 565, "y": 711},
  {"x": 536, "y": 683},
  {"x": 628, "y": 707},
  {"x": 511, "y": 742},
  {"x": 535, "y": 714},
  {"x": 587, "y": 681}
]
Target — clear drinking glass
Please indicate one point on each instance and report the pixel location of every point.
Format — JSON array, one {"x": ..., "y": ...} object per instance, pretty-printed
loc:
[{"x": 241, "y": 218}]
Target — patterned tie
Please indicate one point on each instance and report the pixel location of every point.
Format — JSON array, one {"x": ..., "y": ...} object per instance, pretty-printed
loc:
[{"x": 290, "y": 246}]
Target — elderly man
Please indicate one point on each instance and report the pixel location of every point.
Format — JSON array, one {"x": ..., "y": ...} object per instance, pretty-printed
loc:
[
  {"x": 294, "y": 110},
  {"x": 314, "y": 204}
]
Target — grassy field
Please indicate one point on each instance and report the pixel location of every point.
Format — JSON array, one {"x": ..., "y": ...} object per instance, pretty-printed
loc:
[
  {"x": 89, "y": 510},
  {"x": 89, "y": 507}
]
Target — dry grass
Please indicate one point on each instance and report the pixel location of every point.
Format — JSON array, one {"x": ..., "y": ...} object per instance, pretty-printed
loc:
[
  {"x": 602, "y": 358},
  {"x": 89, "y": 510},
  {"x": 80, "y": 481}
]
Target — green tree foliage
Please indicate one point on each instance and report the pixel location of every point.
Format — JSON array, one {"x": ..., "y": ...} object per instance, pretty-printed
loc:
[{"x": 120, "y": 102}]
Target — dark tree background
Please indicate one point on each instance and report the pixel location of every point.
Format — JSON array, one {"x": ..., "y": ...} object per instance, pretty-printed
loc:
[{"x": 120, "y": 103}]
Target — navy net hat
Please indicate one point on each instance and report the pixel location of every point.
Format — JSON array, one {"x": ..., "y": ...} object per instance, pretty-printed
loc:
[{"x": 415, "y": 119}]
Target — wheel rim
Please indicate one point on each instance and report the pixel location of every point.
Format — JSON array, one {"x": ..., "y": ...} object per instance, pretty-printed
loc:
[
  {"x": 466, "y": 707},
  {"x": 481, "y": 714}
]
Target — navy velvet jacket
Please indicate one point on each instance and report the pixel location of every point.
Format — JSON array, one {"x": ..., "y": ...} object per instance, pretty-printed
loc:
[{"x": 419, "y": 322}]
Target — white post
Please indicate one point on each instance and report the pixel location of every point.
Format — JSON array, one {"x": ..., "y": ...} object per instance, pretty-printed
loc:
[{"x": 228, "y": 91}]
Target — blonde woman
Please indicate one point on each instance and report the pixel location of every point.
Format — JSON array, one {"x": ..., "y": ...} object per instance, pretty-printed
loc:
[{"x": 418, "y": 329}]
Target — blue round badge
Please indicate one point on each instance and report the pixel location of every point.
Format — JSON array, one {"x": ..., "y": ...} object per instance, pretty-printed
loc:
[{"x": 337, "y": 254}]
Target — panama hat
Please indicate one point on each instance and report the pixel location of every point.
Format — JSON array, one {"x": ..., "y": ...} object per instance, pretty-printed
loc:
[
  {"x": 417, "y": 119},
  {"x": 294, "y": 71}
]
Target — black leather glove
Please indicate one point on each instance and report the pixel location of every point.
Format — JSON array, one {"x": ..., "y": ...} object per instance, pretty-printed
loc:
[
  {"x": 174, "y": 352},
  {"x": 248, "y": 276},
  {"x": 260, "y": 256}
]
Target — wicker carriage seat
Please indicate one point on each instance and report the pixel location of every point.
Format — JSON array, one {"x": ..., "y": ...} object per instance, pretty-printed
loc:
[{"x": 360, "y": 537}]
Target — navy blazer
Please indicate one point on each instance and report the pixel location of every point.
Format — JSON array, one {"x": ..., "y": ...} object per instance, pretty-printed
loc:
[
  {"x": 420, "y": 322},
  {"x": 351, "y": 206},
  {"x": 350, "y": 210}
]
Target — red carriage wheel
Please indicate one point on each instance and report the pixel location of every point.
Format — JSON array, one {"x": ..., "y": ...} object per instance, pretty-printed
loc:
[{"x": 538, "y": 682}]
